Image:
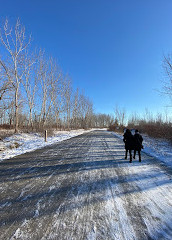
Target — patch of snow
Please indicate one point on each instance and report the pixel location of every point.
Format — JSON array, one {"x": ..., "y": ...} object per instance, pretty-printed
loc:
[
  {"x": 26, "y": 142},
  {"x": 17, "y": 234}
]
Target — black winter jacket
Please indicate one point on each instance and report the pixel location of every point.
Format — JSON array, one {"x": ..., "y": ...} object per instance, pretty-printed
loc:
[
  {"x": 138, "y": 141},
  {"x": 128, "y": 140}
]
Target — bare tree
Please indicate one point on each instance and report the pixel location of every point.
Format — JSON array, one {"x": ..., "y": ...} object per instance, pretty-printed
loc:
[
  {"x": 120, "y": 115},
  {"x": 29, "y": 82},
  {"x": 75, "y": 112},
  {"x": 104, "y": 120},
  {"x": 48, "y": 75},
  {"x": 54, "y": 78},
  {"x": 42, "y": 79},
  {"x": 33, "y": 88},
  {"x": 66, "y": 95},
  {"x": 167, "y": 65},
  {"x": 86, "y": 111},
  {"x": 15, "y": 43},
  {"x": 57, "y": 104},
  {"x": 5, "y": 85}
]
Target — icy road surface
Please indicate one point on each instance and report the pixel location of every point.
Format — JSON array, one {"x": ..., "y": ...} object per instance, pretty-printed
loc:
[{"x": 82, "y": 188}]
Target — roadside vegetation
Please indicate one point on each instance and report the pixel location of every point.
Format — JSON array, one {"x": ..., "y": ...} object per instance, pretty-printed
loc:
[
  {"x": 156, "y": 127},
  {"x": 34, "y": 92},
  {"x": 159, "y": 126}
]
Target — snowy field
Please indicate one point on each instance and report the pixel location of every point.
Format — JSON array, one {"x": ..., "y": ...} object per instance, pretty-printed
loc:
[{"x": 21, "y": 143}]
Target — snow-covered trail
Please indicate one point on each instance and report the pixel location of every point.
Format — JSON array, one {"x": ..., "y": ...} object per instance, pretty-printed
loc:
[{"x": 83, "y": 188}]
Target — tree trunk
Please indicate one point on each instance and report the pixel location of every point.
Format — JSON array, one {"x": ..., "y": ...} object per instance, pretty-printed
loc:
[{"x": 16, "y": 111}]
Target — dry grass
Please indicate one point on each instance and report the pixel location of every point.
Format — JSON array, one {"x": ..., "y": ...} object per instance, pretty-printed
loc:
[
  {"x": 6, "y": 133},
  {"x": 155, "y": 129}
]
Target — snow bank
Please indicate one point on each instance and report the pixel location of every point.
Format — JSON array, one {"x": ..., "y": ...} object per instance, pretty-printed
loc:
[{"x": 25, "y": 142}]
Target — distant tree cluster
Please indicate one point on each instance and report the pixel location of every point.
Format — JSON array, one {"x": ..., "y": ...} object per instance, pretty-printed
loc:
[
  {"x": 34, "y": 92},
  {"x": 157, "y": 127}
]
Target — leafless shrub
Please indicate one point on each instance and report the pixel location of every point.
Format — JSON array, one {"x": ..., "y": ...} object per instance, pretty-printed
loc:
[
  {"x": 14, "y": 145},
  {"x": 154, "y": 128},
  {"x": 5, "y": 133}
]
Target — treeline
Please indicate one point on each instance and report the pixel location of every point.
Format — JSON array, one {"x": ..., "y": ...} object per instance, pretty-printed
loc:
[
  {"x": 159, "y": 126},
  {"x": 154, "y": 126},
  {"x": 34, "y": 92}
]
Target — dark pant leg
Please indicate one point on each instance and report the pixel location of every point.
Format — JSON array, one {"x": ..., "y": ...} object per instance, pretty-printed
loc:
[
  {"x": 130, "y": 155},
  {"x": 134, "y": 154},
  {"x": 126, "y": 151},
  {"x": 139, "y": 153}
]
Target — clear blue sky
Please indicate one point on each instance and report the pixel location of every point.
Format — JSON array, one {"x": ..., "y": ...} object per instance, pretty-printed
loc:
[{"x": 113, "y": 49}]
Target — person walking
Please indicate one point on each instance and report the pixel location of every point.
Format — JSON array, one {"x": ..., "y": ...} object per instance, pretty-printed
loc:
[
  {"x": 129, "y": 143},
  {"x": 138, "y": 139}
]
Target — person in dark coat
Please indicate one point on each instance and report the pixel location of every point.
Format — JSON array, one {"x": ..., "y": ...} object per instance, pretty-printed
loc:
[
  {"x": 129, "y": 143},
  {"x": 138, "y": 139}
]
